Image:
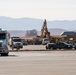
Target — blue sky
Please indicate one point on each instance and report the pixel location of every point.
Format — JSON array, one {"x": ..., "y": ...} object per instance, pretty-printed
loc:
[{"x": 40, "y": 9}]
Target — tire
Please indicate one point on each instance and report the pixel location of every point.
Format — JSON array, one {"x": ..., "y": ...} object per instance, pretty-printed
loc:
[
  {"x": 46, "y": 47},
  {"x": 4, "y": 54},
  {"x": 54, "y": 48},
  {"x": 49, "y": 47},
  {"x": 59, "y": 48},
  {"x": 17, "y": 48}
]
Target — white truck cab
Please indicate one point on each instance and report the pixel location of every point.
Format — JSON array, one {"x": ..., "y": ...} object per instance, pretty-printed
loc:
[{"x": 16, "y": 43}]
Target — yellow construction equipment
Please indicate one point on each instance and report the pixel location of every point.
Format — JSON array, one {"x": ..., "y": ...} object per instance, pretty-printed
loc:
[
  {"x": 46, "y": 34},
  {"x": 44, "y": 30}
]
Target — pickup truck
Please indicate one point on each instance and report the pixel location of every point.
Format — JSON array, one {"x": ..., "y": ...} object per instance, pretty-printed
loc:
[{"x": 59, "y": 45}]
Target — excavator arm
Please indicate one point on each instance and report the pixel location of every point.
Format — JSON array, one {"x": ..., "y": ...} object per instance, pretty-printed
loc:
[{"x": 44, "y": 30}]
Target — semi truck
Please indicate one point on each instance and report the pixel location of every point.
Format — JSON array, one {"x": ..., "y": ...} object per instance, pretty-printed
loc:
[{"x": 4, "y": 38}]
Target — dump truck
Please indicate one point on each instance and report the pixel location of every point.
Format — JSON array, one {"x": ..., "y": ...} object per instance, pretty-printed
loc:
[{"x": 4, "y": 38}]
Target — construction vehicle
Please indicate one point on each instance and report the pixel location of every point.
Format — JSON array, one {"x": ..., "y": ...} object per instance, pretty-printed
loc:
[
  {"x": 46, "y": 34},
  {"x": 44, "y": 38},
  {"x": 4, "y": 37},
  {"x": 44, "y": 31}
]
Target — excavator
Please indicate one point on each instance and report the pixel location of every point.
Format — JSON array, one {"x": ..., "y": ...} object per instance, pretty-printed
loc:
[
  {"x": 44, "y": 31},
  {"x": 46, "y": 34}
]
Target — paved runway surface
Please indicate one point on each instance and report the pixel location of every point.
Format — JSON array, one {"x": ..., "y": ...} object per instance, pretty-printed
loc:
[
  {"x": 33, "y": 47},
  {"x": 39, "y": 63}
]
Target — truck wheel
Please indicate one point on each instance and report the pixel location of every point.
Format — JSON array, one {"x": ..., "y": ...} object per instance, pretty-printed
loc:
[
  {"x": 4, "y": 54},
  {"x": 54, "y": 48},
  {"x": 46, "y": 47}
]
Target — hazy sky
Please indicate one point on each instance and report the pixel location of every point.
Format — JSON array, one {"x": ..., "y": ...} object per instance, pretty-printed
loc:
[{"x": 40, "y": 9}]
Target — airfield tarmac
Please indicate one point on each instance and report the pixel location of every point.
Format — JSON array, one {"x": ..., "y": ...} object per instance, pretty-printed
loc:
[
  {"x": 39, "y": 63},
  {"x": 32, "y": 47}
]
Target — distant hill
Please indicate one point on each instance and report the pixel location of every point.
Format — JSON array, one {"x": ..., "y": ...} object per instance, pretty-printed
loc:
[
  {"x": 8, "y": 23},
  {"x": 56, "y": 31},
  {"x": 17, "y": 33},
  {"x": 53, "y": 31},
  {"x": 18, "y": 26},
  {"x": 24, "y": 24}
]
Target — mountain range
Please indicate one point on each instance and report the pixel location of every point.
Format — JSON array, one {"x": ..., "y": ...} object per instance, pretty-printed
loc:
[
  {"x": 53, "y": 31},
  {"x": 18, "y": 26}
]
